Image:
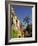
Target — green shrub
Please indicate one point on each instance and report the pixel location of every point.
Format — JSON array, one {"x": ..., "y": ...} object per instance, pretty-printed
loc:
[{"x": 14, "y": 32}]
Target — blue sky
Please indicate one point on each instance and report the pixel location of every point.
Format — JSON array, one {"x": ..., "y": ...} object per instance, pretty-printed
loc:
[{"x": 21, "y": 12}]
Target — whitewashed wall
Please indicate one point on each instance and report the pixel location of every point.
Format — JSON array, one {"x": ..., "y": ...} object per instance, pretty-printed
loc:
[{"x": 37, "y": 22}]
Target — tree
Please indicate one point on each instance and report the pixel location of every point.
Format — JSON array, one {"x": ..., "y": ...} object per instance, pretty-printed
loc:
[
  {"x": 29, "y": 29},
  {"x": 27, "y": 19}
]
